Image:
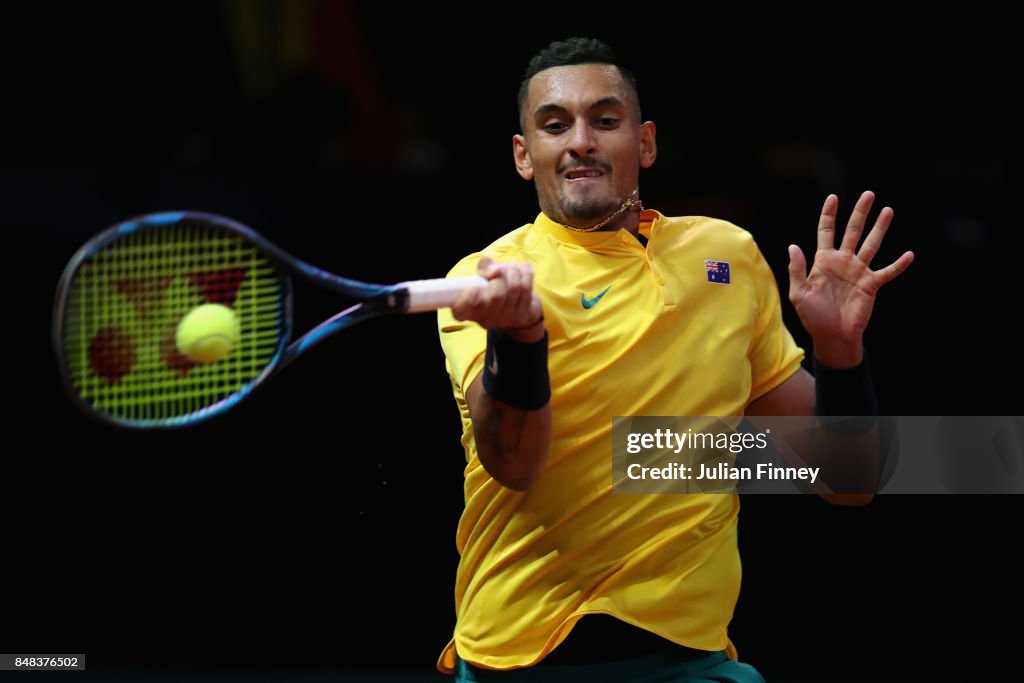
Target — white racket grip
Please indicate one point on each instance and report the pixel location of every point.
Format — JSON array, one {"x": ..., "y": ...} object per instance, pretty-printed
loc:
[{"x": 430, "y": 295}]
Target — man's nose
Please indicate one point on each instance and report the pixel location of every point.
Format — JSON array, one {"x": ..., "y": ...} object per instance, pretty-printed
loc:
[{"x": 581, "y": 140}]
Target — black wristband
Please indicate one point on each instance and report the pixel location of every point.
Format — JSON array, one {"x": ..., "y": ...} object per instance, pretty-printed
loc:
[
  {"x": 515, "y": 372},
  {"x": 848, "y": 392}
]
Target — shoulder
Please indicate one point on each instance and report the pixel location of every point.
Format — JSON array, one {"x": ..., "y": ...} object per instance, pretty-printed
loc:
[{"x": 691, "y": 233}]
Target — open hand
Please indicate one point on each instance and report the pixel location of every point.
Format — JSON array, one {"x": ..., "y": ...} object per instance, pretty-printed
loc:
[{"x": 835, "y": 300}]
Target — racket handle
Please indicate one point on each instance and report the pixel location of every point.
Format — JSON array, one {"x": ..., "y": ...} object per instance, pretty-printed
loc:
[{"x": 430, "y": 295}]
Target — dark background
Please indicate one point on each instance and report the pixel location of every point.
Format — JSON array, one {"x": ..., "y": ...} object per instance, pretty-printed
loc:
[{"x": 313, "y": 528}]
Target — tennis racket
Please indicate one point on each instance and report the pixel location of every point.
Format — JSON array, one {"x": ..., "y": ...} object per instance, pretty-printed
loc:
[{"x": 124, "y": 293}]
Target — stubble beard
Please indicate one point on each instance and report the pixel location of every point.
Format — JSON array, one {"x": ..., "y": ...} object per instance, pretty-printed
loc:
[{"x": 582, "y": 212}]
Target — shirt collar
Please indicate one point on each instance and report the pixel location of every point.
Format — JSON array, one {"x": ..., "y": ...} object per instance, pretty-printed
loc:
[{"x": 648, "y": 222}]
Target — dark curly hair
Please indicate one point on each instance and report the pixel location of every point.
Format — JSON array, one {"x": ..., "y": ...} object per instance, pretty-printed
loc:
[{"x": 569, "y": 52}]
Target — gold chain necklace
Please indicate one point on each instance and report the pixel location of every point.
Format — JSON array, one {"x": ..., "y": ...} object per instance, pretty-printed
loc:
[{"x": 631, "y": 201}]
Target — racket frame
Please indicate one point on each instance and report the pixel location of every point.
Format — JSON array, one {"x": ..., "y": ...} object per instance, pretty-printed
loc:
[{"x": 375, "y": 300}]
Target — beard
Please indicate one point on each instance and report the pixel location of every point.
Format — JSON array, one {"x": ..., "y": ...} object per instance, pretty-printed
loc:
[
  {"x": 587, "y": 208},
  {"x": 582, "y": 211}
]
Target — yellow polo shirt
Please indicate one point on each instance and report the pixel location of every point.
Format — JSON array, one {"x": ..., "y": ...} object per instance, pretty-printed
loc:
[{"x": 691, "y": 325}]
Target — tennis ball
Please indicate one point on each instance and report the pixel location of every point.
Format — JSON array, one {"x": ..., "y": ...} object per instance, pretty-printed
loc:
[{"x": 208, "y": 333}]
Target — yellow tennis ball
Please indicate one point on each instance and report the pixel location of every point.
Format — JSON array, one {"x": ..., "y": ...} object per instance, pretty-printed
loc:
[{"x": 208, "y": 333}]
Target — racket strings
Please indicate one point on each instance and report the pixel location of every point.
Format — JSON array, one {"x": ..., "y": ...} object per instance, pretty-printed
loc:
[{"x": 125, "y": 303}]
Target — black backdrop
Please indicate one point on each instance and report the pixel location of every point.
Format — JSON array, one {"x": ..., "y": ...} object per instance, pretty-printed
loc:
[{"x": 314, "y": 526}]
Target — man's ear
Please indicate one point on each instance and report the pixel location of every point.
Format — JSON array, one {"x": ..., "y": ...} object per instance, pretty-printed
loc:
[
  {"x": 524, "y": 166},
  {"x": 648, "y": 144}
]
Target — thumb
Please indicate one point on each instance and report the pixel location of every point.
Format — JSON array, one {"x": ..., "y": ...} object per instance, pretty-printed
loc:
[{"x": 486, "y": 268}]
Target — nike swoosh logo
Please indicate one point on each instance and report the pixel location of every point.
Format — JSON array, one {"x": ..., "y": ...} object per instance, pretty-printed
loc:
[
  {"x": 493, "y": 367},
  {"x": 590, "y": 303}
]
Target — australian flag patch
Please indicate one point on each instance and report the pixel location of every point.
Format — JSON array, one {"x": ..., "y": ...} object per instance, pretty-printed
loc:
[{"x": 718, "y": 271}]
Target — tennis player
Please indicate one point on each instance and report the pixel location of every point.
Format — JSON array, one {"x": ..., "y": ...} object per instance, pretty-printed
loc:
[{"x": 598, "y": 308}]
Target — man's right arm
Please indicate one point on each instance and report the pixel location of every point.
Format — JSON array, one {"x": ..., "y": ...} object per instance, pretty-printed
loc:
[{"x": 512, "y": 440}]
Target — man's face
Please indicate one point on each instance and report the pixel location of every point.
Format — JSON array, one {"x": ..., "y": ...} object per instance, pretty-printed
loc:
[{"x": 583, "y": 143}]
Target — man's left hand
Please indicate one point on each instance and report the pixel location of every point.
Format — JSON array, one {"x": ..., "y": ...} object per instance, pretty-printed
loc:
[{"x": 835, "y": 300}]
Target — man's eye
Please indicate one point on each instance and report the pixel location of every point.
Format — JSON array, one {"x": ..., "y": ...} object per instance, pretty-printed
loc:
[
  {"x": 555, "y": 127},
  {"x": 607, "y": 122}
]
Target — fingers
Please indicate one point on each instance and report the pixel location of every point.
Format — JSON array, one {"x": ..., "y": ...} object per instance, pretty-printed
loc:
[
  {"x": 875, "y": 237},
  {"x": 797, "y": 270},
  {"x": 535, "y": 307},
  {"x": 513, "y": 287},
  {"x": 508, "y": 301},
  {"x": 855, "y": 226},
  {"x": 890, "y": 272},
  {"x": 827, "y": 223},
  {"x": 466, "y": 303}
]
